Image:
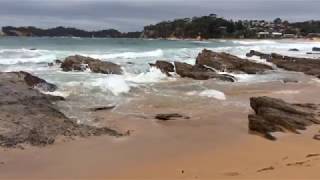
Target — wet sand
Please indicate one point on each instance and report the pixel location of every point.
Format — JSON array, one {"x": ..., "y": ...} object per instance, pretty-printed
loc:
[{"x": 213, "y": 144}]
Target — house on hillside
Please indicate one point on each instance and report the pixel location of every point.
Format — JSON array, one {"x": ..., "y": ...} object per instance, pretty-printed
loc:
[
  {"x": 276, "y": 35},
  {"x": 263, "y": 35}
]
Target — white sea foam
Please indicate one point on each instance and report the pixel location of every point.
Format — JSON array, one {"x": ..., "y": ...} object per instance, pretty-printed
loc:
[
  {"x": 152, "y": 76},
  {"x": 128, "y": 55},
  {"x": 211, "y": 93},
  {"x": 252, "y": 42},
  {"x": 114, "y": 83},
  {"x": 15, "y": 56}
]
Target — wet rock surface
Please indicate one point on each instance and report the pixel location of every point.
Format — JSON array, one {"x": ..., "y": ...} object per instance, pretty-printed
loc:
[
  {"x": 200, "y": 72},
  {"x": 276, "y": 115},
  {"x": 164, "y": 66},
  {"x": 305, "y": 65},
  {"x": 170, "y": 116},
  {"x": 28, "y": 116},
  {"x": 229, "y": 63},
  {"x": 82, "y": 63}
]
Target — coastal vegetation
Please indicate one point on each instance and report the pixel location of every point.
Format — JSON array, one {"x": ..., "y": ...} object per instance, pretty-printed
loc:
[{"x": 205, "y": 27}]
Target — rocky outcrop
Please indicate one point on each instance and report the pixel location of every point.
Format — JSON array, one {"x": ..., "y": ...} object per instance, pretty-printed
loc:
[
  {"x": 164, "y": 66},
  {"x": 28, "y": 116},
  {"x": 229, "y": 63},
  {"x": 37, "y": 82},
  {"x": 200, "y": 72},
  {"x": 276, "y": 115},
  {"x": 82, "y": 63},
  {"x": 305, "y": 65}
]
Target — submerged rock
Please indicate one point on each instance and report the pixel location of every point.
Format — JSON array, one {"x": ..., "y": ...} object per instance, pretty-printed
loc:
[
  {"x": 200, "y": 72},
  {"x": 28, "y": 116},
  {"x": 294, "y": 49},
  {"x": 82, "y": 63},
  {"x": 276, "y": 115},
  {"x": 305, "y": 65},
  {"x": 167, "y": 117},
  {"x": 229, "y": 63},
  {"x": 164, "y": 66}
]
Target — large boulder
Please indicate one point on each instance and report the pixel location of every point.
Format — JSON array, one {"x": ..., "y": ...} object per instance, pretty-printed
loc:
[
  {"x": 276, "y": 115},
  {"x": 81, "y": 63},
  {"x": 306, "y": 65},
  {"x": 164, "y": 66},
  {"x": 229, "y": 63},
  {"x": 28, "y": 116},
  {"x": 200, "y": 72}
]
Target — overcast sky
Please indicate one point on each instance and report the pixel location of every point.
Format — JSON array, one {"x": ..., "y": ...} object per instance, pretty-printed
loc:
[{"x": 132, "y": 15}]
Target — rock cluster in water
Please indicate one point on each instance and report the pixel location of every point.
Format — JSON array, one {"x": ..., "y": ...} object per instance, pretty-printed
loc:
[
  {"x": 276, "y": 115},
  {"x": 208, "y": 64},
  {"x": 29, "y": 116}
]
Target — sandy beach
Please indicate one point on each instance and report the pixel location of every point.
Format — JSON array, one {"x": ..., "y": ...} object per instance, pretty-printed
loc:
[{"x": 213, "y": 144}]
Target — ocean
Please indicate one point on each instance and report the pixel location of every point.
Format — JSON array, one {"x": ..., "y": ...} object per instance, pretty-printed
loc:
[{"x": 85, "y": 89}]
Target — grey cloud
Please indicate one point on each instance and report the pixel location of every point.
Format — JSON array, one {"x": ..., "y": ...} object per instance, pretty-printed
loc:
[{"x": 130, "y": 15}]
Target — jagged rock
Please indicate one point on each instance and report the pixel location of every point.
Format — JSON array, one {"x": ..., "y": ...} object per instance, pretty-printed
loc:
[
  {"x": 167, "y": 117},
  {"x": 229, "y": 63},
  {"x": 164, "y": 66},
  {"x": 305, "y": 65},
  {"x": 200, "y": 72},
  {"x": 316, "y": 49},
  {"x": 81, "y": 63},
  {"x": 28, "y": 116},
  {"x": 275, "y": 115}
]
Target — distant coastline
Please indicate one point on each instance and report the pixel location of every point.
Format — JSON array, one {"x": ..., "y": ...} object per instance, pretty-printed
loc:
[{"x": 196, "y": 28}]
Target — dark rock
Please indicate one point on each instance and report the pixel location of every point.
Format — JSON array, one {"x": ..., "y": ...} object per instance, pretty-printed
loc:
[
  {"x": 229, "y": 63},
  {"x": 167, "y": 117},
  {"x": 28, "y": 116},
  {"x": 50, "y": 64},
  {"x": 316, "y": 137},
  {"x": 316, "y": 49},
  {"x": 104, "y": 108},
  {"x": 275, "y": 115},
  {"x": 58, "y": 61},
  {"x": 81, "y": 63},
  {"x": 305, "y": 65},
  {"x": 37, "y": 82},
  {"x": 164, "y": 66},
  {"x": 294, "y": 49},
  {"x": 200, "y": 72},
  {"x": 32, "y": 49}
]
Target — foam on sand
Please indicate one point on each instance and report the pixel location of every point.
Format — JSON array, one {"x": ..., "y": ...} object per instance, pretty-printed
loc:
[{"x": 211, "y": 93}]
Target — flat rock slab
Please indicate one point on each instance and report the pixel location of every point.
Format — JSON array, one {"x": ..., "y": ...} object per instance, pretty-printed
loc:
[
  {"x": 276, "y": 115},
  {"x": 29, "y": 116},
  {"x": 228, "y": 63},
  {"x": 306, "y": 65}
]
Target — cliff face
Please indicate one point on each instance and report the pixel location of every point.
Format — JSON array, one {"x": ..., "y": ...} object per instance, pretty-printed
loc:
[{"x": 64, "y": 32}]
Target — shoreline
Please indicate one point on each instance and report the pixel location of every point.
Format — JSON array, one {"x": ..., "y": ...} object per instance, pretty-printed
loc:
[{"x": 210, "y": 137}]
